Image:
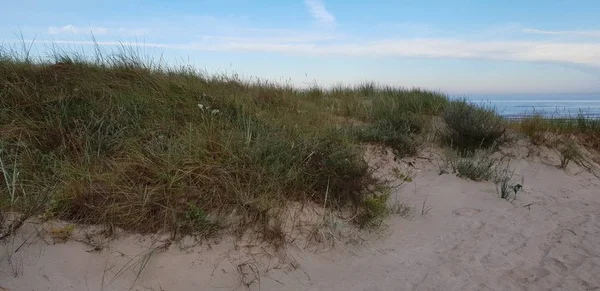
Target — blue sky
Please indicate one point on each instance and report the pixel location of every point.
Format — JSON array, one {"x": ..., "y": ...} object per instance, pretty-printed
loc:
[{"x": 458, "y": 47}]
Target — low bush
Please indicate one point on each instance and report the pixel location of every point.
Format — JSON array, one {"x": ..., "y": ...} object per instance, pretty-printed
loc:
[{"x": 471, "y": 127}]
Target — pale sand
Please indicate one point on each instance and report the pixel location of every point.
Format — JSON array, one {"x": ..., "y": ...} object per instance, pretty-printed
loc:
[{"x": 469, "y": 240}]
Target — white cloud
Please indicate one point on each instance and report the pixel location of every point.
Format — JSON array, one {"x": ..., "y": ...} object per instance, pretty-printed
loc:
[
  {"x": 319, "y": 12},
  {"x": 583, "y": 52},
  {"x": 563, "y": 32},
  {"x": 98, "y": 30},
  {"x": 290, "y": 37},
  {"x": 587, "y": 54},
  {"x": 576, "y": 53}
]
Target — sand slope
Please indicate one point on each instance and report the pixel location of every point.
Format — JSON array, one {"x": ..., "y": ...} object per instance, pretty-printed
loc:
[{"x": 469, "y": 240}]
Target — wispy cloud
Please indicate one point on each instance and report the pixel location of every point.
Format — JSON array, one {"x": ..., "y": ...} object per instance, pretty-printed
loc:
[
  {"x": 584, "y": 54},
  {"x": 271, "y": 37},
  {"x": 563, "y": 32},
  {"x": 584, "y": 50},
  {"x": 587, "y": 54},
  {"x": 96, "y": 30},
  {"x": 319, "y": 12},
  {"x": 72, "y": 29}
]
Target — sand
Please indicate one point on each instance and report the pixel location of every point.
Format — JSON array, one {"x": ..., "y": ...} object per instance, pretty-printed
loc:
[{"x": 469, "y": 239}]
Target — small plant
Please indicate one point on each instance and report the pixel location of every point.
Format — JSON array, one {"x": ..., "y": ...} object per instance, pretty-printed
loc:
[
  {"x": 62, "y": 234},
  {"x": 506, "y": 189},
  {"x": 477, "y": 166},
  {"x": 425, "y": 208},
  {"x": 569, "y": 152},
  {"x": 471, "y": 127},
  {"x": 401, "y": 209},
  {"x": 402, "y": 176},
  {"x": 375, "y": 208},
  {"x": 195, "y": 219}
]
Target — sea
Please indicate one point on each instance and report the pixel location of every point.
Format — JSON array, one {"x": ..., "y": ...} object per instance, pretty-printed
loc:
[{"x": 517, "y": 106}]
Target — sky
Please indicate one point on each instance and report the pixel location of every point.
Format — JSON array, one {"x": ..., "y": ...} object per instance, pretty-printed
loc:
[{"x": 453, "y": 46}]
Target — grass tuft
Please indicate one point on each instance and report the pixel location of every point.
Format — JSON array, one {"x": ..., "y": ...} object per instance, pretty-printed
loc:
[
  {"x": 472, "y": 127},
  {"x": 477, "y": 166},
  {"x": 569, "y": 152},
  {"x": 375, "y": 208},
  {"x": 399, "y": 136}
]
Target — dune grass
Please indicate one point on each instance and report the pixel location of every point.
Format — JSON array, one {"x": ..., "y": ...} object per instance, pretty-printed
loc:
[
  {"x": 472, "y": 127},
  {"x": 480, "y": 165},
  {"x": 585, "y": 129},
  {"x": 116, "y": 139}
]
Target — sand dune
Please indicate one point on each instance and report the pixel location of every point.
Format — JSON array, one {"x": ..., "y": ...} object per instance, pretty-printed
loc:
[{"x": 547, "y": 239}]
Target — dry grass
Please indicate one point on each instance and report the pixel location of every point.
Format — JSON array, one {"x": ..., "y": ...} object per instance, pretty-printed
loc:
[{"x": 585, "y": 130}]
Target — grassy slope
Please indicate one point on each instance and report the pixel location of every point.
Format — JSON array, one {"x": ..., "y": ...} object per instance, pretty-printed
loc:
[{"x": 123, "y": 143}]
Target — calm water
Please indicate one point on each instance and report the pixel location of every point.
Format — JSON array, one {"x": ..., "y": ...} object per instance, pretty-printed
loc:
[{"x": 548, "y": 105}]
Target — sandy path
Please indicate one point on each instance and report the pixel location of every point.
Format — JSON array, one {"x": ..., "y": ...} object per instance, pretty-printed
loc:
[{"x": 470, "y": 240}]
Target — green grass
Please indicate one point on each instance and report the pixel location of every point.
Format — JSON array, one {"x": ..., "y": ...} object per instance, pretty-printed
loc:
[
  {"x": 480, "y": 165},
  {"x": 401, "y": 136},
  {"x": 120, "y": 140},
  {"x": 471, "y": 127},
  {"x": 135, "y": 147}
]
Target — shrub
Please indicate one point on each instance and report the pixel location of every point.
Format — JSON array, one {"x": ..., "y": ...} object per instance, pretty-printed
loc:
[
  {"x": 471, "y": 127},
  {"x": 375, "y": 208}
]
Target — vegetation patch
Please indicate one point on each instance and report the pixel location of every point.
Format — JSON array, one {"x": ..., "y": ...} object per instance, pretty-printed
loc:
[
  {"x": 584, "y": 129},
  {"x": 117, "y": 139},
  {"x": 399, "y": 136},
  {"x": 472, "y": 127},
  {"x": 480, "y": 165}
]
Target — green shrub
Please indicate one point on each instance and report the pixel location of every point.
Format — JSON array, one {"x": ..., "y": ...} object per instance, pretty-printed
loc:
[
  {"x": 375, "y": 208},
  {"x": 471, "y": 127}
]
